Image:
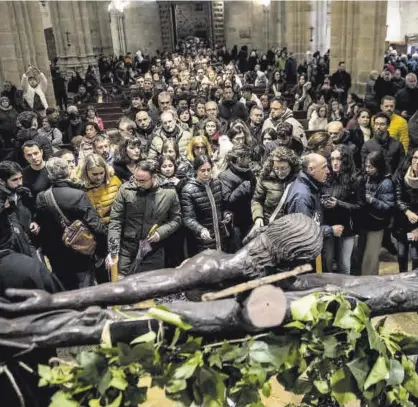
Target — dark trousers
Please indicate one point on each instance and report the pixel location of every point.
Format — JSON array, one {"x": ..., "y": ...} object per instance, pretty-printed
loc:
[{"x": 404, "y": 248}]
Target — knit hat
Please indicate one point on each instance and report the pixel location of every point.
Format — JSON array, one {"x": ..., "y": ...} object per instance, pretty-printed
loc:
[
  {"x": 4, "y": 98},
  {"x": 390, "y": 68}
]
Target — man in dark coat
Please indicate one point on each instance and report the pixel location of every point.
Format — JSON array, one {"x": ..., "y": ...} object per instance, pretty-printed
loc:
[
  {"x": 305, "y": 193},
  {"x": 341, "y": 82},
  {"x": 384, "y": 85},
  {"x": 391, "y": 148},
  {"x": 8, "y": 116},
  {"x": 142, "y": 211},
  {"x": 75, "y": 270},
  {"x": 145, "y": 128},
  {"x": 230, "y": 108},
  {"x": 407, "y": 97}
]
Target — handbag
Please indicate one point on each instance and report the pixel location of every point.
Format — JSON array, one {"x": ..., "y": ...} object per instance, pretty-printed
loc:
[{"x": 76, "y": 235}]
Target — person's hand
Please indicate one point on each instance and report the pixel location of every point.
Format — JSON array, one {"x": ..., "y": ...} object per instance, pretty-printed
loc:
[
  {"x": 205, "y": 235},
  {"x": 259, "y": 223},
  {"x": 404, "y": 114},
  {"x": 6, "y": 204},
  {"x": 330, "y": 203},
  {"x": 337, "y": 230},
  {"x": 34, "y": 228},
  {"x": 154, "y": 238},
  {"x": 412, "y": 217},
  {"x": 31, "y": 301},
  {"x": 369, "y": 198},
  {"x": 111, "y": 260}
]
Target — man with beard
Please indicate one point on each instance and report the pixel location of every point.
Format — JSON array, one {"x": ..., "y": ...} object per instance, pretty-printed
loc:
[
  {"x": 391, "y": 148},
  {"x": 101, "y": 147},
  {"x": 256, "y": 122},
  {"x": 169, "y": 129},
  {"x": 139, "y": 206},
  {"x": 230, "y": 108},
  {"x": 145, "y": 127},
  {"x": 279, "y": 113}
]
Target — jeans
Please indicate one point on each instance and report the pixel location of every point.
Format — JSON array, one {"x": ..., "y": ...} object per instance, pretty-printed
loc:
[
  {"x": 339, "y": 248},
  {"x": 404, "y": 248}
]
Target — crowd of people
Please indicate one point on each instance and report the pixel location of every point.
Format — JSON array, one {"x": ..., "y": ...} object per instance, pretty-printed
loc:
[{"x": 206, "y": 151}]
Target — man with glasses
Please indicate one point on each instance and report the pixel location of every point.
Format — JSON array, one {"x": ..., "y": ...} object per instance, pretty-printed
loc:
[
  {"x": 142, "y": 213},
  {"x": 391, "y": 148}
]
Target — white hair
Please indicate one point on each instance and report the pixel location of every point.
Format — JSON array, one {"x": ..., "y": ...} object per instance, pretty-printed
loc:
[{"x": 57, "y": 169}]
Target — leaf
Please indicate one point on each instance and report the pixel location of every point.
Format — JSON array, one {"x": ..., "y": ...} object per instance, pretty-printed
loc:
[
  {"x": 94, "y": 403},
  {"x": 396, "y": 373},
  {"x": 380, "y": 371},
  {"x": 119, "y": 383},
  {"x": 322, "y": 386},
  {"x": 304, "y": 309},
  {"x": 341, "y": 387},
  {"x": 61, "y": 399},
  {"x": 345, "y": 318},
  {"x": 174, "y": 386},
  {"x": 116, "y": 402},
  {"x": 168, "y": 317},
  {"x": 411, "y": 377},
  {"x": 375, "y": 341},
  {"x": 212, "y": 387},
  {"x": 359, "y": 368},
  {"x": 266, "y": 389},
  {"x": 259, "y": 352},
  {"x": 330, "y": 346},
  {"x": 104, "y": 383},
  {"x": 295, "y": 324},
  {"x": 187, "y": 369},
  {"x": 148, "y": 337}
]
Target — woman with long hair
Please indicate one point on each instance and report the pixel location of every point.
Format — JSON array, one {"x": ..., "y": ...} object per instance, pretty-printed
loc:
[
  {"x": 342, "y": 199},
  {"x": 279, "y": 171},
  {"x": 184, "y": 168},
  {"x": 129, "y": 155},
  {"x": 361, "y": 132},
  {"x": 98, "y": 180},
  {"x": 335, "y": 112},
  {"x": 277, "y": 84},
  {"x": 212, "y": 129},
  {"x": 375, "y": 217},
  {"x": 203, "y": 208},
  {"x": 185, "y": 119},
  {"x": 198, "y": 145},
  {"x": 320, "y": 143},
  {"x": 319, "y": 121},
  {"x": 406, "y": 216}
]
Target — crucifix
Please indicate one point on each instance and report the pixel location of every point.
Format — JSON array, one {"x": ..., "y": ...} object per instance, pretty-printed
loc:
[
  {"x": 68, "y": 38},
  {"x": 312, "y": 30}
]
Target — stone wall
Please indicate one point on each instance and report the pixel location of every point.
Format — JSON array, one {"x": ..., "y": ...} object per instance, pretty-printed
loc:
[
  {"x": 99, "y": 27},
  {"x": 142, "y": 26},
  {"x": 192, "y": 19},
  {"x": 245, "y": 24}
]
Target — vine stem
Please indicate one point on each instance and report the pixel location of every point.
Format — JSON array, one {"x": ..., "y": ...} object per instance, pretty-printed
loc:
[
  {"x": 232, "y": 341},
  {"x": 4, "y": 369}
]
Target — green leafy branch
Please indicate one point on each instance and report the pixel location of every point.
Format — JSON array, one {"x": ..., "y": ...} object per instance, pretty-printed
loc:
[{"x": 330, "y": 353}]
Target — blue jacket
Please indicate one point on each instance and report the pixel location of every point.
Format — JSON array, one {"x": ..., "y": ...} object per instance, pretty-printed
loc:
[{"x": 305, "y": 197}]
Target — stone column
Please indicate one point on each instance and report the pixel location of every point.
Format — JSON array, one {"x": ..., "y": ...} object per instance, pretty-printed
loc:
[
  {"x": 296, "y": 21},
  {"x": 319, "y": 24},
  {"x": 70, "y": 20},
  {"x": 117, "y": 29},
  {"x": 23, "y": 43},
  {"x": 358, "y": 31}
]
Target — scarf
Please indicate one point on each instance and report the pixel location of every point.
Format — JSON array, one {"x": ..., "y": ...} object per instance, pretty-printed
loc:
[
  {"x": 30, "y": 92},
  {"x": 410, "y": 179}
]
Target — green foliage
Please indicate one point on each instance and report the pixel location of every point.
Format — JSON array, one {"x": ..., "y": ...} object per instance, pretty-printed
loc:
[{"x": 330, "y": 353}]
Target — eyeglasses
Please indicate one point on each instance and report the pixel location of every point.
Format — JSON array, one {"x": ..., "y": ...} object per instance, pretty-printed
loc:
[{"x": 142, "y": 181}]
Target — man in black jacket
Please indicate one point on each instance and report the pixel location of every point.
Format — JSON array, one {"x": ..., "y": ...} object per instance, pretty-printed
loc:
[
  {"x": 305, "y": 193},
  {"x": 407, "y": 97},
  {"x": 391, "y": 148},
  {"x": 145, "y": 127},
  {"x": 230, "y": 108},
  {"x": 341, "y": 82}
]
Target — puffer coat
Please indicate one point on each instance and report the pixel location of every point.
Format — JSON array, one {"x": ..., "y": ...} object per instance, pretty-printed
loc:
[
  {"x": 103, "y": 196},
  {"x": 406, "y": 199},
  {"x": 198, "y": 213}
]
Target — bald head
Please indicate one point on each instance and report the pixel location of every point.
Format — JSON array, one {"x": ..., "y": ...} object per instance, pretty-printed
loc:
[
  {"x": 316, "y": 166},
  {"x": 334, "y": 130}
]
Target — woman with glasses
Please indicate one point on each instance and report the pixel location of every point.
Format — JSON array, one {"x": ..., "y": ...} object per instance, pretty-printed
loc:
[
  {"x": 203, "y": 208},
  {"x": 406, "y": 215},
  {"x": 279, "y": 171},
  {"x": 375, "y": 216}
]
